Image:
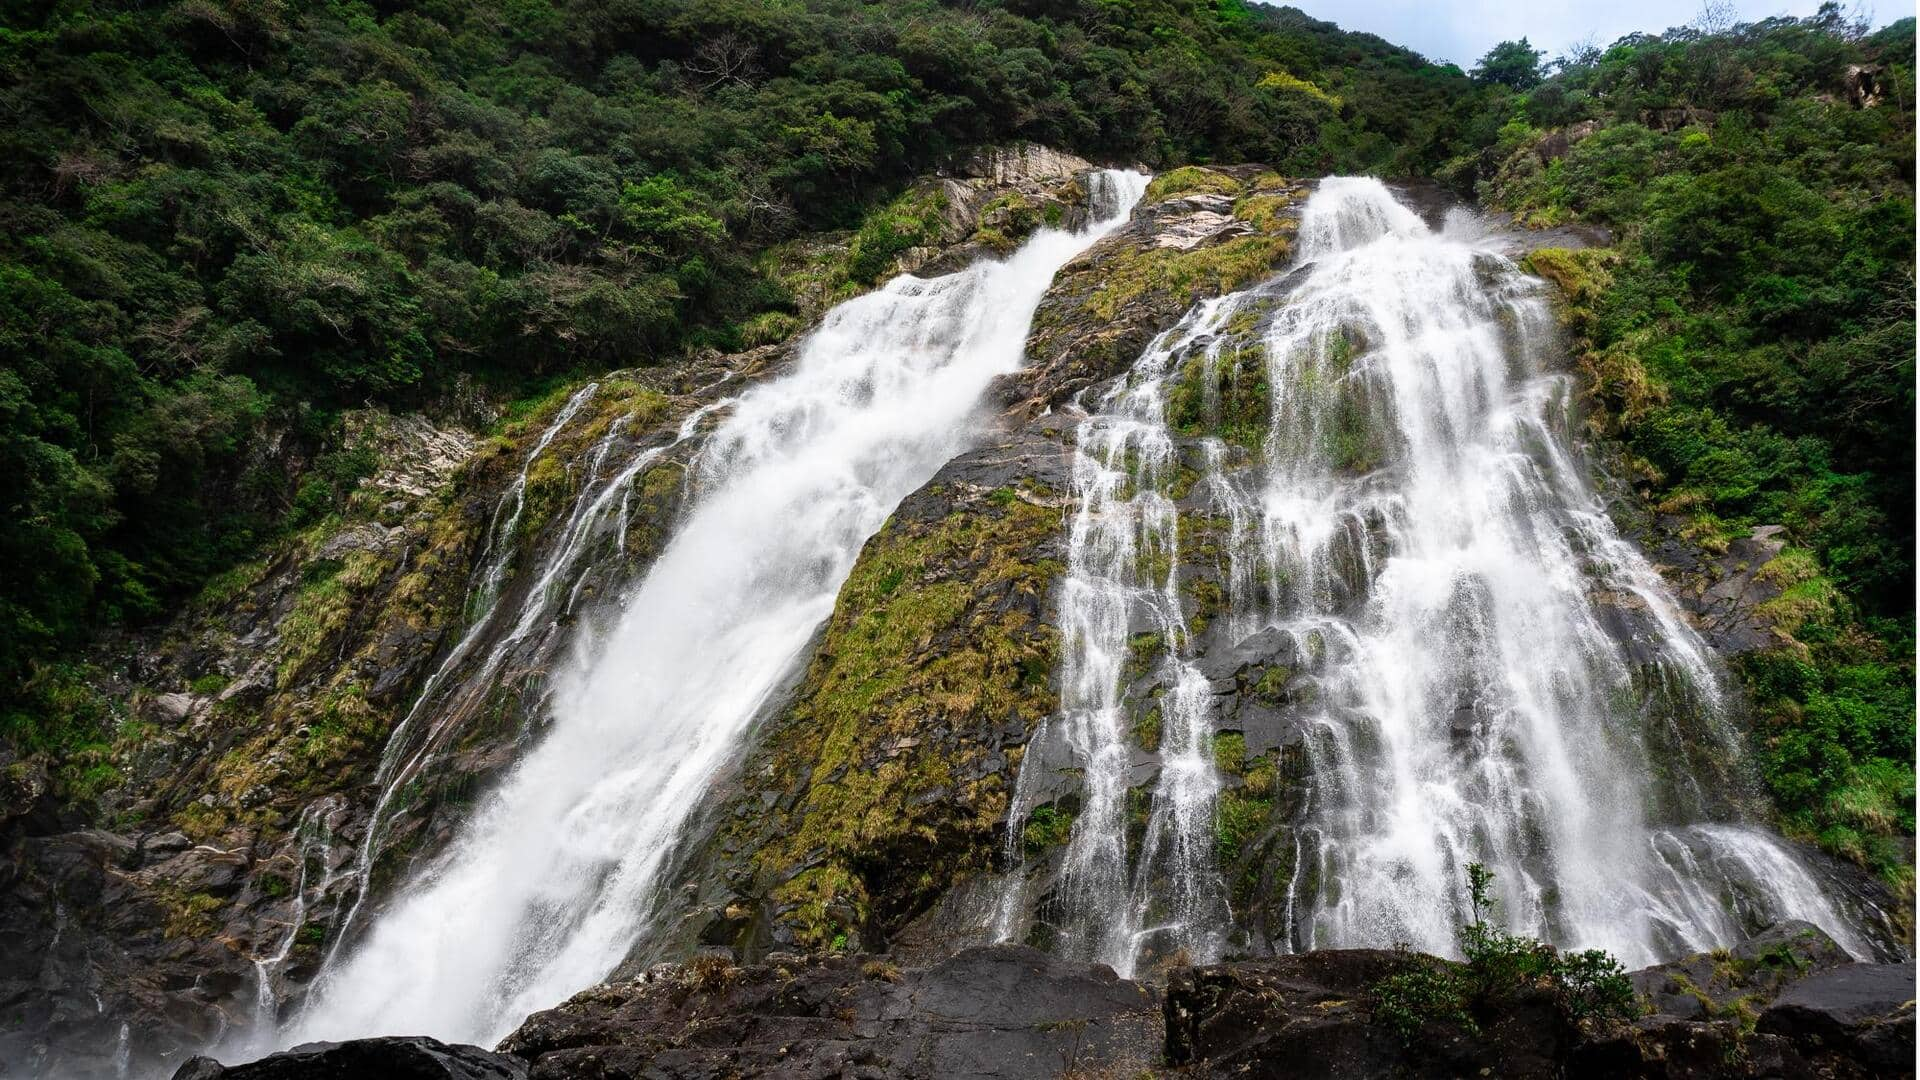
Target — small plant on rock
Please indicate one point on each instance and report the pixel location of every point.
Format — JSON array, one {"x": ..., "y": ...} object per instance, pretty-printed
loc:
[
  {"x": 708, "y": 973},
  {"x": 1425, "y": 990},
  {"x": 1589, "y": 984}
]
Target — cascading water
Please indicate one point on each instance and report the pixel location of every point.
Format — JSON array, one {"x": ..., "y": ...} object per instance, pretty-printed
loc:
[
  {"x": 1472, "y": 666},
  {"x": 1122, "y": 578},
  {"x": 551, "y": 880}
]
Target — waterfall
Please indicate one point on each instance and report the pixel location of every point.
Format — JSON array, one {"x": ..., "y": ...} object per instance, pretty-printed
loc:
[
  {"x": 1122, "y": 586},
  {"x": 1436, "y": 648},
  {"x": 553, "y": 877}
]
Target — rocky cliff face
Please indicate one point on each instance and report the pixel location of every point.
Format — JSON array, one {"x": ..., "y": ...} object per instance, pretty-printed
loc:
[
  {"x": 209, "y": 881},
  {"x": 868, "y": 805},
  {"x": 1779, "y": 1006},
  {"x": 320, "y": 721}
]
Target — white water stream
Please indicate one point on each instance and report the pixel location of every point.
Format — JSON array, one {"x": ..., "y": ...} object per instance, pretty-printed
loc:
[
  {"x": 553, "y": 877},
  {"x": 1482, "y": 662}
]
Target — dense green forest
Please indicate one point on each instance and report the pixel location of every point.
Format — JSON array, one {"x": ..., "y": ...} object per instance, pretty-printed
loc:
[{"x": 226, "y": 220}]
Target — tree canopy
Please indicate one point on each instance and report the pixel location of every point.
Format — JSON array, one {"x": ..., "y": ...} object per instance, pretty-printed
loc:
[
  {"x": 1513, "y": 64},
  {"x": 227, "y": 219}
]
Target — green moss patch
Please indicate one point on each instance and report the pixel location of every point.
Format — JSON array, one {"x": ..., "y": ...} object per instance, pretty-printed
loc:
[
  {"x": 935, "y": 639},
  {"x": 1048, "y": 826},
  {"x": 1187, "y": 276},
  {"x": 1190, "y": 180}
]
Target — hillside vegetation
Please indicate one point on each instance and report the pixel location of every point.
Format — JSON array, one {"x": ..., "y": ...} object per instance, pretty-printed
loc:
[{"x": 224, "y": 221}]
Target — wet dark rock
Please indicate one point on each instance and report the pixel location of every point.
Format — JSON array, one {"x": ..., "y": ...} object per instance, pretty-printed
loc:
[
  {"x": 1429, "y": 199},
  {"x": 1668, "y": 1048},
  {"x": 1309, "y": 1016},
  {"x": 1434, "y": 203},
  {"x": 1725, "y": 592},
  {"x": 1000, "y": 1012},
  {"x": 1862, "y": 1013},
  {"x": 1009, "y": 1011},
  {"x": 393, "y": 1058},
  {"x": 1698, "y": 987}
]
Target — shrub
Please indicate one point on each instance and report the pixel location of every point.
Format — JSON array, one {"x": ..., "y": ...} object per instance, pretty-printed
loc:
[{"x": 1586, "y": 985}]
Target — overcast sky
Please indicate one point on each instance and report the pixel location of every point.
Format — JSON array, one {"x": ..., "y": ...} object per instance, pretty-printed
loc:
[{"x": 1462, "y": 31}]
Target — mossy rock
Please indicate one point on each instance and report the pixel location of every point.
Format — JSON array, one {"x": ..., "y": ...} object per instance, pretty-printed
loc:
[
  {"x": 888, "y": 771},
  {"x": 1107, "y": 305}
]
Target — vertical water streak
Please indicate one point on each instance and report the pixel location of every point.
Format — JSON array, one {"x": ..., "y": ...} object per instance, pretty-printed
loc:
[
  {"x": 1122, "y": 615},
  {"x": 403, "y": 754},
  {"x": 554, "y": 875}
]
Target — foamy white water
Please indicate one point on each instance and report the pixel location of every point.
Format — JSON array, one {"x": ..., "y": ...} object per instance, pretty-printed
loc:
[
  {"x": 1491, "y": 673},
  {"x": 552, "y": 880}
]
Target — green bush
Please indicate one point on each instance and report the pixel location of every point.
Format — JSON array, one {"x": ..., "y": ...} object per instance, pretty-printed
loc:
[
  {"x": 1499, "y": 966},
  {"x": 1425, "y": 991}
]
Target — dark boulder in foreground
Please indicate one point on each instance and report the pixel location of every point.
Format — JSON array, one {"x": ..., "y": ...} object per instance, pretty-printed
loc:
[
  {"x": 1862, "y": 1013},
  {"x": 1311, "y": 1016},
  {"x": 1002, "y": 1012},
  {"x": 397, "y": 1058},
  {"x": 1786, "y": 1005}
]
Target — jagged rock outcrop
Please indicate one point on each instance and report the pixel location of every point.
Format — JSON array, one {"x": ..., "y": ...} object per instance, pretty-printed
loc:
[
  {"x": 1197, "y": 234},
  {"x": 1311, "y": 1016},
  {"x": 399, "y": 1058},
  {"x": 982, "y": 205},
  {"x": 1701, "y": 986},
  {"x": 1847, "y": 1018},
  {"x": 1730, "y": 594},
  {"x": 1786, "y": 1003}
]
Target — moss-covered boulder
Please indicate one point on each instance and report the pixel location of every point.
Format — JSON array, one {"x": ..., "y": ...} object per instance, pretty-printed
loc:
[{"x": 1199, "y": 232}]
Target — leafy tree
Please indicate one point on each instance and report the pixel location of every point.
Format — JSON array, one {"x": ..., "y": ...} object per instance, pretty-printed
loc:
[{"x": 1513, "y": 64}]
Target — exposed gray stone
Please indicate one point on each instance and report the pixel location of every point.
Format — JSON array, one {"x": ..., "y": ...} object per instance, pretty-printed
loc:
[{"x": 393, "y": 1058}]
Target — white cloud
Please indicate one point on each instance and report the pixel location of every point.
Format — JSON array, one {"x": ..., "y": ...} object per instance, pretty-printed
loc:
[{"x": 1461, "y": 31}]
